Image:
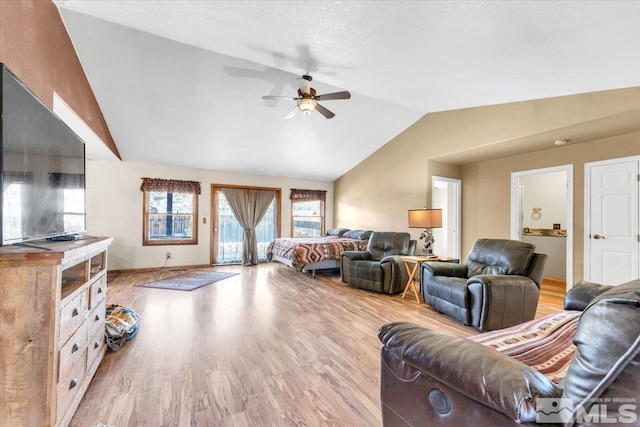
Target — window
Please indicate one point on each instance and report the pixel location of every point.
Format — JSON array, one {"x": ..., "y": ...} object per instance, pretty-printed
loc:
[
  {"x": 73, "y": 216},
  {"x": 307, "y": 212},
  {"x": 69, "y": 215},
  {"x": 170, "y": 212},
  {"x": 12, "y": 202}
]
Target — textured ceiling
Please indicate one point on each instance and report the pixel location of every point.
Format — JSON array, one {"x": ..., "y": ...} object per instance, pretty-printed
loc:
[{"x": 180, "y": 82}]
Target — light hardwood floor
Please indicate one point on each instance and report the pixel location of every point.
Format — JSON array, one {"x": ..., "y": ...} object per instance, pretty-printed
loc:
[{"x": 268, "y": 347}]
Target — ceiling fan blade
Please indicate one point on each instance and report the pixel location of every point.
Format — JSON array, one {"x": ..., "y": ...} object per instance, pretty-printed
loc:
[
  {"x": 322, "y": 110},
  {"x": 290, "y": 98},
  {"x": 334, "y": 95},
  {"x": 305, "y": 86},
  {"x": 292, "y": 113}
]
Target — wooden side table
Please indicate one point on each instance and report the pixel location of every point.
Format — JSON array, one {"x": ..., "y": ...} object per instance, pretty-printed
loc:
[{"x": 411, "y": 263}]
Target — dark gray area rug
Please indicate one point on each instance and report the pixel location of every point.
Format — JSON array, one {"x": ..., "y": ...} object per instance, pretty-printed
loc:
[{"x": 189, "y": 281}]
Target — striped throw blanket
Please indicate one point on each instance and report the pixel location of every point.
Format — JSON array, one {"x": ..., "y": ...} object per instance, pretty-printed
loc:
[{"x": 545, "y": 344}]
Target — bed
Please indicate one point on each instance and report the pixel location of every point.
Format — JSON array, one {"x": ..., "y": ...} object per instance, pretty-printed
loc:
[{"x": 308, "y": 254}]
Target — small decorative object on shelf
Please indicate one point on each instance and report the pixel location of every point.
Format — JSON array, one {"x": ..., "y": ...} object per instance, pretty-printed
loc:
[{"x": 427, "y": 219}]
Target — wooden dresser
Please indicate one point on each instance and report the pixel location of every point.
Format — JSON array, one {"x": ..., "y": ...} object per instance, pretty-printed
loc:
[{"x": 52, "y": 310}]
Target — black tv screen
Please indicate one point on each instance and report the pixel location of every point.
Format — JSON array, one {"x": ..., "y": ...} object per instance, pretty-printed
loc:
[{"x": 43, "y": 168}]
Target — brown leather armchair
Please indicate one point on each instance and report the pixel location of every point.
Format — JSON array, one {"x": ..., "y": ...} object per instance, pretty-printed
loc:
[
  {"x": 378, "y": 268},
  {"x": 430, "y": 378},
  {"x": 498, "y": 287}
]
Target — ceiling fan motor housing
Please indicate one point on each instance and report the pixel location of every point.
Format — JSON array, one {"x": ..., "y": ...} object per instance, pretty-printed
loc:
[{"x": 311, "y": 94}]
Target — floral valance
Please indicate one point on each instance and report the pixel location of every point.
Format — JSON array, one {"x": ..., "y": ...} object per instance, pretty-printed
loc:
[
  {"x": 308, "y": 195},
  {"x": 170, "y": 185}
]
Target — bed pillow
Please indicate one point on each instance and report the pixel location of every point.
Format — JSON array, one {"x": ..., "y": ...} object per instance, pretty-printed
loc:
[
  {"x": 336, "y": 231},
  {"x": 358, "y": 234}
]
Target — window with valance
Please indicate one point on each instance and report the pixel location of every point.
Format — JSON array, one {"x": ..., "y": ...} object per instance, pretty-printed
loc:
[
  {"x": 307, "y": 212},
  {"x": 170, "y": 211}
]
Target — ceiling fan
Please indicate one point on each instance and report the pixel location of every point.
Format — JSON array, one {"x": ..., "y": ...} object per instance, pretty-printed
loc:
[{"x": 307, "y": 100}]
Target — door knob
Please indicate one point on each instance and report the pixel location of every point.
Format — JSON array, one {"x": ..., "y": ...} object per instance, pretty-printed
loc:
[{"x": 597, "y": 236}]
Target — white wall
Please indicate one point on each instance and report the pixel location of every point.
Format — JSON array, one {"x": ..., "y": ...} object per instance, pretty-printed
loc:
[
  {"x": 549, "y": 192},
  {"x": 114, "y": 208}
]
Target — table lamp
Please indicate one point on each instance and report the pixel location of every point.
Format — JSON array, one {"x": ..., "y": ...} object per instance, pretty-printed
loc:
[{"x": 427, "y": 219}]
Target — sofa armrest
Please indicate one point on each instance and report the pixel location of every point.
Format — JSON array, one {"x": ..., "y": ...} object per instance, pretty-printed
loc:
[
  {"x": 471, "y": 369},
  {"x": 346, "y": 257},
  {"x": 449, "y": 269},
  {"x": 395, "y": 274},
  {"x": 500, "y": 301},
  {"x": 581, "y": 295},
  {"x": 356, "y": 255},
  {"x": 392, "y": 258}
]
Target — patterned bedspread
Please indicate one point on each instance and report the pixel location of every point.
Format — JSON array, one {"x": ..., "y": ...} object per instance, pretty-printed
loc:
[
  {"x": 545, "y": 344},
  {"x": 303, "y": 251}
]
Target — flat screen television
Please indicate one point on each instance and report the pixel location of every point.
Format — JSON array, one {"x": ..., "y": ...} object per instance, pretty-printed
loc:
[{"x": 43, "y": 168}]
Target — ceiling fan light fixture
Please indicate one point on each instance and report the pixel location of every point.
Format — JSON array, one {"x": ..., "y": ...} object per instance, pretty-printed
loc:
[
  {"x": 307, "y": 105},
  {"x": 307, "y": 100}
]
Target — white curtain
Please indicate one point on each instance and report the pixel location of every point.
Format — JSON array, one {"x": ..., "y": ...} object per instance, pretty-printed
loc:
[{"x": 249, "y": 206}]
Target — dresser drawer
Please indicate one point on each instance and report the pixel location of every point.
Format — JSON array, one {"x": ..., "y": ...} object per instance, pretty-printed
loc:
[
  {"x": 71, "y": 384},
  {"x": 96, "y": 348},
  {"x": 98, "y": 292},
  {"x": 72, "y": 351},
  {"x": 72, "y": 314},
  {"x": 96, "y": 318}
]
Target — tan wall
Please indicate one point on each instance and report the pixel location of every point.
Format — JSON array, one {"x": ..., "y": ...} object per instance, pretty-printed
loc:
[
  {"x": 34, "y": 44},
  {"x": 486, "y": 194},
  {"x": 377, "y": 193}
]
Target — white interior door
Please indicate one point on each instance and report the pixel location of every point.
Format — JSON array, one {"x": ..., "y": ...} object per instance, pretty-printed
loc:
[
  {"x": 612, "y": 238},
  {"x": 446, "y": 194}
]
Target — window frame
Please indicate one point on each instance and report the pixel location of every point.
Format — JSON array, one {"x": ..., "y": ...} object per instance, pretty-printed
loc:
[
  {"x": 146, "y": 238},
  {"x": 322, "y": 216}
]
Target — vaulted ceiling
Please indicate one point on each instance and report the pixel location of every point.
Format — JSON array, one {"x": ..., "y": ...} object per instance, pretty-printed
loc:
[{"x": 180, "y": 82}]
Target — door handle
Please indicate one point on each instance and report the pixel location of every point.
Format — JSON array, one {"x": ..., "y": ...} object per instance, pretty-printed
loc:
[{"x": 597, "y": 236}]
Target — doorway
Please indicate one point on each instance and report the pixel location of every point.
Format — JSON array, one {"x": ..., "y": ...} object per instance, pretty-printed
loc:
[
  {"x": 227, "y": 234},
  {"x": 446, "y": 194},
  {"x": 611, "y": 232},
  {"x": 542, "y": 214}
]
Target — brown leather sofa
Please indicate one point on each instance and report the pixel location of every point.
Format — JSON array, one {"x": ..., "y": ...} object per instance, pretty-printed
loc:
[
  {"x": 431, "y": 378},
  {"x": 379, "y": 268},
  {"x": 497, "y": 287}
]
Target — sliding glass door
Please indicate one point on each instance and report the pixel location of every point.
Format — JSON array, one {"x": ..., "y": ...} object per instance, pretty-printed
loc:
[{"x": 227, "y": 232}]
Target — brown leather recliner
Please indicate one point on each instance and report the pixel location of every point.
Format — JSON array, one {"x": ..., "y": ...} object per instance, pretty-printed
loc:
[
  {"x": 498, "y": 287},
  {"x": 378, "y": 268},
  {"x": 431, "y": 378}
]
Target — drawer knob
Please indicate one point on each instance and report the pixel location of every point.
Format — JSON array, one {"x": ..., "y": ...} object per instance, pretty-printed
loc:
[
  {"x": 73, "y": 383},
  {"x": 75, "y": 312},
  {"x": 97, "y": 317},
  {"x": 75, "y": 347},
  {"x": 96, "y": 344},
  {"x": 100, "y": 290}
]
